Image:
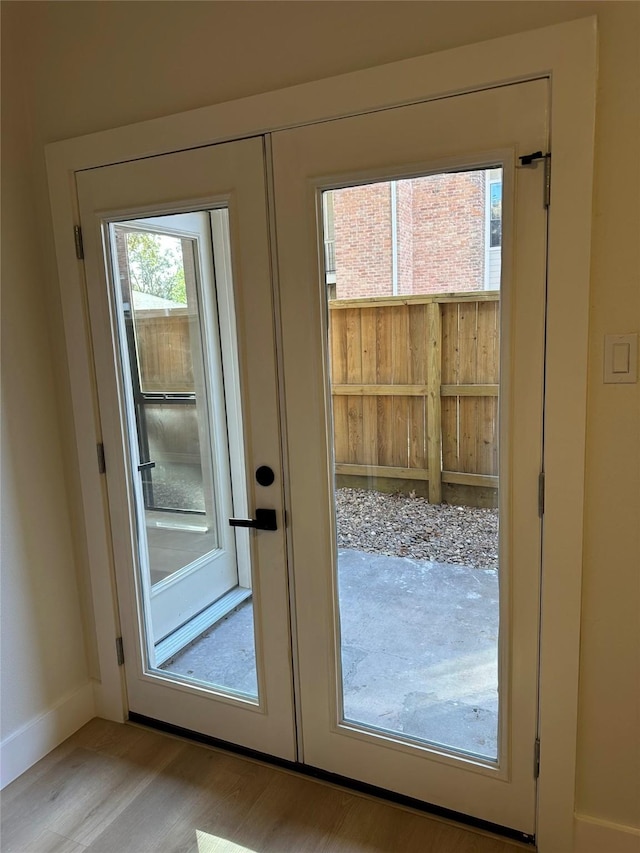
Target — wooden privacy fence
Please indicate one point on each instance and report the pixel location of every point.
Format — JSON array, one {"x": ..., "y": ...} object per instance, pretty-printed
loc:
[
  {"x": 414, "y": 382},
  {"x": 163, "y": 343}
]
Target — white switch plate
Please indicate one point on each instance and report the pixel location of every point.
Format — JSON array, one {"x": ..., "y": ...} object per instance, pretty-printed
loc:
[{"x": 621, "y": 358}]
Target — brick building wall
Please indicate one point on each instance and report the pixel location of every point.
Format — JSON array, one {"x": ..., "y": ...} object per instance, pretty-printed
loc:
[
  {"x": 362, "y": 223},
  {"x": 440, "y": 225}
]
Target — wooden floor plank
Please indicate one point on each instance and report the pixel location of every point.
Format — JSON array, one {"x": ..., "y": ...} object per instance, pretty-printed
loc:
[
  {"x": 101, "y": 736},
  {"x": 201, "y": 789},
  {"x": 85, "y": 792},
  {"x": 121, "y": 789},
  {"x": 50, "y": 842},
  {"x": 293, "y": 813},
  {"x": 21, "y": 785}
]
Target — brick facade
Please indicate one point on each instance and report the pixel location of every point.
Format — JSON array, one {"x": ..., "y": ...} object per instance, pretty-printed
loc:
[
  {"x": 362, "y": 223},
  {"x": 440, "y": 223}
]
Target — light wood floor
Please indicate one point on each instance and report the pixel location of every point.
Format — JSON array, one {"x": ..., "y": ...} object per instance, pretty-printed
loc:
[{"x": 121, "y": 789}]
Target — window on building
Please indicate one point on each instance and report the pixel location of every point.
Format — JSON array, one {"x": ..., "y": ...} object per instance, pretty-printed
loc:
[
  {"x": 495, "y": 211},
  {"x": 329, "y": 235}
]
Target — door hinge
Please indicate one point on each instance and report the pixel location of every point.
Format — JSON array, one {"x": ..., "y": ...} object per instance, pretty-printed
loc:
[
  {"x": 102, "y": 467},
  {"x": 119, "y": 651},
  {"x": 77, "y": 238},
  {"x": 547, "y": 180},
  {"x": 536, "y": 758},
  {"x": 541, "y": 494},
  {"x": 529, "y": 160}
]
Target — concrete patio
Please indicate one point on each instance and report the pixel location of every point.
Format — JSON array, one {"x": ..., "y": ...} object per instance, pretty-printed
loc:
[{"x": 419, "y": 650}]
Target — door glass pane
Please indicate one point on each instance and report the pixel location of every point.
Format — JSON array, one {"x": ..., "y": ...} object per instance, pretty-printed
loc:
[
  {"x": 194, "y": 571},
  {"x": 172, "y": 431},
  {"x": 414, "y": 316}
]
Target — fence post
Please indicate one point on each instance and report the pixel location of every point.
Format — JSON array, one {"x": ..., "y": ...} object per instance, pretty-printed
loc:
[{"x": 434, "y": 415}]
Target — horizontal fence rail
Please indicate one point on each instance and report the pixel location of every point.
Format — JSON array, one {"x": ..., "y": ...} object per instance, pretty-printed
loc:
[{"x": 414, "y": 384}]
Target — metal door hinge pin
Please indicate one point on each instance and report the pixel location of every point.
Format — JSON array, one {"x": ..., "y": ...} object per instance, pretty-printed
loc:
[
  {"x": 530, "y": 160},
  {"x": 77, "y": 238},
  {"x": 547, "y": 180},
  {"x": 101, "y": 461},
  {"x": 119, "y": 651}
]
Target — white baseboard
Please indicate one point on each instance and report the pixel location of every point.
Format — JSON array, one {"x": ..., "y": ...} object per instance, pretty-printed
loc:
[
  {"x": 32, "y": 741},
  {"x": 599, "y": 836}
]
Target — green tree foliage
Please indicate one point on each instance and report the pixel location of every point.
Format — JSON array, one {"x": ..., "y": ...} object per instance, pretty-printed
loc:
[
  {"x": 179, "y": 288},
  {"x": 155, "y": 265}
]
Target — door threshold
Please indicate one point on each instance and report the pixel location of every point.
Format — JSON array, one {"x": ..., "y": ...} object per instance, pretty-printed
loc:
[
  {"x": 187, "y": 633},
  {"x": 336, "y": 779}
]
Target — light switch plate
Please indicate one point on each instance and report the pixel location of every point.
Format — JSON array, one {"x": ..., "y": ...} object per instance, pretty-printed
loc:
[{"x": 621, "y": 358}]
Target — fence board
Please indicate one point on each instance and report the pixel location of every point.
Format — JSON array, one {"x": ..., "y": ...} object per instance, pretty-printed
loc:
[
  {"x": 449, "y": 345},
  {"x": 467, "y": 373},
  {"x": 417, "y": 433},
  {"x": 369, "y": 374},
  {"x": 383, "y": 421},
  {"x": 400, "y": 354},
  {"x": 449, "y": 375},
  {"x": 449, "y": 410},
  {"x": 353, "y": 346},
  {"x": 434, "y": 407},
  {"x": 487, "y": 438},
  {"x": 418, "y": 377},
  {"x": 467, "y": 343},
  {"x": 488, "y": 342},
  {"x": 354, "y": 376},
  {"x": 384, "y": 375},
  {"x": 488, "y": 368},
  {"x": 338, "y": 350}
]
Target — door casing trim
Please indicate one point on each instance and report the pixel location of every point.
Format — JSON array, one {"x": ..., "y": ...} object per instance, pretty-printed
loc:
[{"x": 567, "y": 54}]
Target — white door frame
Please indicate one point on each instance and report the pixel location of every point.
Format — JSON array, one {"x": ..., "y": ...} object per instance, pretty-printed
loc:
[{"x": 567, "y": 54}]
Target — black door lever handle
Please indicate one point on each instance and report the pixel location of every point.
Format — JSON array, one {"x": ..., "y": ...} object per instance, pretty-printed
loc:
[{"x": 265, "y": 520}]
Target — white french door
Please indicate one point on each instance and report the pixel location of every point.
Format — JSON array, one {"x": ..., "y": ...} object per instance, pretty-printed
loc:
[
  {"x": 178, "y": 271},
  {"x": 418, "y": 673},
  {"x": 190, "y": 410}
]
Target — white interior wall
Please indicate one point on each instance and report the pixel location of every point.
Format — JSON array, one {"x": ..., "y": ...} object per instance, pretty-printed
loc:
[
  {"x": 44, "y": 666},
  {"x": 91, "y": 66},
  {"x": 608, "y": 783}
]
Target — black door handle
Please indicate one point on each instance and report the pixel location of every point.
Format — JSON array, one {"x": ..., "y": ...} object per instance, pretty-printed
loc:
[
  {"x": 265, "y": 520},
  {"x": 144, "y": 465}
]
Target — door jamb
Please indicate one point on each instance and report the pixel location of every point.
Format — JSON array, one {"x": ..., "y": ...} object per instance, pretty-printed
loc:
[{"x": 566, "y": 53}]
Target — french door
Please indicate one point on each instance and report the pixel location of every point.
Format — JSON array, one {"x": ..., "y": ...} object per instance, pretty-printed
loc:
[
  {"x": 179, "y": 283},
  {"x": 409, "y": 318},
  {"x": 404, "y": 682}
]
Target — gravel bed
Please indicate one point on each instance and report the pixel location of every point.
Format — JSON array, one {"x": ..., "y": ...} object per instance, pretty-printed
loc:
[{"x": 405, "y": 526}]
